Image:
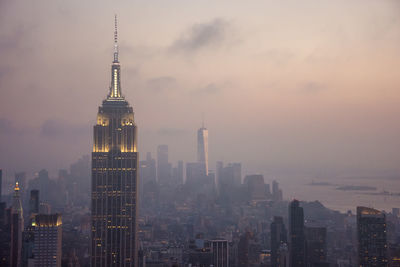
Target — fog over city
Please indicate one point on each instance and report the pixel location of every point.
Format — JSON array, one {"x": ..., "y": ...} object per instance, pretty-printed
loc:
[
  {"x": 296, "y": 86},
  {"x": 176, "y": 133}
]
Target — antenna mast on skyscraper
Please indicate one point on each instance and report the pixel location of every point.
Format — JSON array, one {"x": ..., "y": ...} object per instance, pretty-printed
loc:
[{"x": 116, "y": 40}]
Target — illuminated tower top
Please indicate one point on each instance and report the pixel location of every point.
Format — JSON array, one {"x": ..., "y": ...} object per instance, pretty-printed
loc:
[
  {"x": 115, "y": 87},
  {"x": 17, "y": 206}
]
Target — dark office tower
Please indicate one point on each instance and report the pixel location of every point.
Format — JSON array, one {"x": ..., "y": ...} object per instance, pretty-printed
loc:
[
  {"x": 47, "y": 235},
  {"x": 372, "y": 243},
  {"x": 1, "y": 183},
  {"x": 114, "y": 178},
  {"x": 163, "y": 166},
  {"x": 316, "y": 252},
  {"x": 17, "y": 224},
  {"x": 220, "y": 253},
  {"x": 243, "y": 250},
  {"x": 202, "y": 147},
  {"x": 42, "y": 184},
  {"x": 34, "y": 202},
  {"x": 218, "y": 173},
  {"x": 179, "y": 168},
  {"x": 276, "y": 192},
  {"x": 278, "y": 238},
  {"x": 296, "y": 235},
  {"x": 5, "y": 235}
]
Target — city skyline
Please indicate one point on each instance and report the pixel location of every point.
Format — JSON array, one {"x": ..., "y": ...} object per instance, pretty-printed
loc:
[
  {"x": 341, "y": 96},
  {"x": 301, "y": 167}
]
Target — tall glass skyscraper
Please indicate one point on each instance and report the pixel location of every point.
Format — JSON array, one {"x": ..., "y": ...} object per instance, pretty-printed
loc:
[
  {"x": 372, "y": 240},
  {"x": 296, "y": 235},
  {"x": 114, "y": 178},
  {"x": 202, "y": 147}
]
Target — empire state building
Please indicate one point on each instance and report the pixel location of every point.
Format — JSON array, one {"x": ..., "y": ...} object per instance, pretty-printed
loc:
[{"x": 114, "y": 178}]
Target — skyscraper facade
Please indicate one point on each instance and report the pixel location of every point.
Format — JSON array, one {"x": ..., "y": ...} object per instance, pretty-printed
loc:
[
  {"x": 296, "y": 235},
  {"x": 1, "y": 183},
  {"x": 278, "y": 238},
  {"x": 316, "y": 247},
  {"x": 34, "y": 202},
  {"x": 372, "y": 240},
  {"x": 220, "y": 253},
  {"x": 114, "y": 178},
  {"x": 17, "y": 226},
  {"x": 202, "y": 147},
  {"x": 47, "y": 237}
]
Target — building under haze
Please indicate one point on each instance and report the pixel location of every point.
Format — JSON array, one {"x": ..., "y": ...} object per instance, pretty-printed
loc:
[
  {"x": 34, "y": 202},
  {"x": 17, "y": 226},
  {"x": 1, "y": 183},
  {"x": 372, "y": 241},
  {"x": 316, "y": 250},
  {"x": 148, "y": 171},
  {"x": 202, "y": 147},
  {"x": 46, "y": 230},
  {"x": 278, "y": 238},
  {"x": 163, "y": 165},
  {"x": 220, "y": 253},
  {"x": 296, "y": 235},
  {"x": 114, "y": 178}
]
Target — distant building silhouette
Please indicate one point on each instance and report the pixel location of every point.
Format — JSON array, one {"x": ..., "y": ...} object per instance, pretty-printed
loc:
[
  {"x": 278, "y": 238},
  {"x": 276, "y": 191},
  {"x": 163, "y": 165},
  {"x": 34, "y": 202},
  {"x": 148, "y": 171},
  {"x": 296, "y": 235},
  {"x": 371, "y": 234},
  {"x": 243, "y": 250},
  {"x": 202, "y": 148},
  {"x": 114, "y": 179},
  {"x": 195, "y": 173},
  {"x": 228, "y": 177},
  {"x": 177, "y": 173},
  {"x": 1, "y": 184},
  {"x": 316, "y": 250},
  {"x": 256, "y": 187}
]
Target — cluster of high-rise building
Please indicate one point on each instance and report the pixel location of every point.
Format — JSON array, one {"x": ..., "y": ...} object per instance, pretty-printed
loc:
[
  {"x": 38, "y": 242},
  {"x": 176, "y": 214}
]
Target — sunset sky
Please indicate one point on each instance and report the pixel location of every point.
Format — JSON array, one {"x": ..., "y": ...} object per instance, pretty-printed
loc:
[{"x": 308, "y": 86}]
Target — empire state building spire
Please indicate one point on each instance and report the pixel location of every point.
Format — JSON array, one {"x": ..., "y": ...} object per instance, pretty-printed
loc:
[
  {"x": 115, "y": 87},
  {"x": 116, "y": 41}
]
